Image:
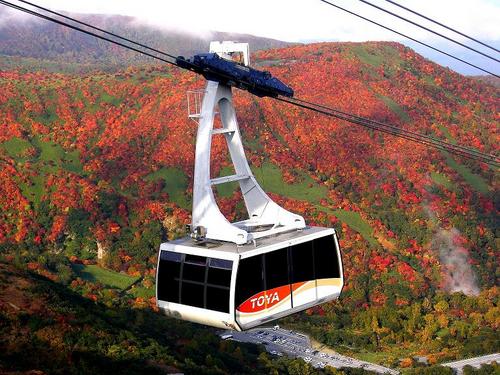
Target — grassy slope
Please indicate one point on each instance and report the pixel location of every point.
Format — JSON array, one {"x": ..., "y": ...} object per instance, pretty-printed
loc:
[
  {"x": 395, "y": 107},
  {"x": 309, "y": 190},
  {"x": 271, "y": 179},
  {"x": 47, "y": 158},
  {"x": 443, "y": 180},
  {"x": 474, "y": 180},
  {"x": 106, "y": 277},
  {"x": 175, "y": 184}
]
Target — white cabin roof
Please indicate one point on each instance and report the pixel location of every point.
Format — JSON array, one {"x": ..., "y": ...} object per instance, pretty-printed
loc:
[{"x": 230, "y": 250}]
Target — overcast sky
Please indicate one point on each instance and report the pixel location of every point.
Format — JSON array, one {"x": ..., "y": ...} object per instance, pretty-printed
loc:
[{"x": 312, "y": 20}]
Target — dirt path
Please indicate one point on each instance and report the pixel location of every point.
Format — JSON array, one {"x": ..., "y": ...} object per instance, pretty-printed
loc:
[{"x": 316, "y": 345}]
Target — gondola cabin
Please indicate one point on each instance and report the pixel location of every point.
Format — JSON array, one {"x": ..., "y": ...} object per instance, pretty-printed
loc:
[
  {"x": 240, "y": 287},
  {"x": 240, "y": 275}
]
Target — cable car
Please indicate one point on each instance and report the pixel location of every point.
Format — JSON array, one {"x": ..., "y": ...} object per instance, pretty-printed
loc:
[
  {"x": 240, "y": 275},
  {"x": 225, "y": 285}
]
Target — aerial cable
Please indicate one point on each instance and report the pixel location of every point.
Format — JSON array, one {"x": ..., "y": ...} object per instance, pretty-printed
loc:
[
  {"x": 416, "y": 137},
  {"x": 26, "y": 10},
  {"x": 410, "y": 38},
  {"x": 98, "y": 29},
  {"x": 427, "y": 29},
  {"x": 442, "y": 25},
  {"x": 34, "y": 13},
  {"x": 397, "y": 129},
  {"x": 444, "y": 146},
  {"x": 398, "y": 132}
]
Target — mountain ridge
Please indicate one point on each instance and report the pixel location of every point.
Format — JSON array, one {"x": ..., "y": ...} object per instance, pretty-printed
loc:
[{"x": 40, "y": 39}]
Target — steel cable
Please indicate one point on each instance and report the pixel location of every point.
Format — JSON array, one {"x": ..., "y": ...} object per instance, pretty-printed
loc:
[
  {"x": 442, "y": 25},
  {"x": 409, "y": 37},
  {"x": 371, "y": 124},
  {"x": 395, "y": 131},
  {"x": 426, "y": 29}
]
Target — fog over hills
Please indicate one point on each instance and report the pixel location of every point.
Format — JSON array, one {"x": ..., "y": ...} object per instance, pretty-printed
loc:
[{"x": 23, "y": 38}]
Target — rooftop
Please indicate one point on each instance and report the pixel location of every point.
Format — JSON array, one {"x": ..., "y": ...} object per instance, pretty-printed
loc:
[{"x": 258, "y": 246}]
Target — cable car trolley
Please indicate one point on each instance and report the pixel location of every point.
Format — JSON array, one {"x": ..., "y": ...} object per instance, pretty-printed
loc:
[{"x": 243, "y": 274}]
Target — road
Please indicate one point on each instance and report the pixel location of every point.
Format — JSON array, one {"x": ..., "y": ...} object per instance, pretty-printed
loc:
[
  {"x": 476, "y": 362},
  {"x": 281, "y": 342}
]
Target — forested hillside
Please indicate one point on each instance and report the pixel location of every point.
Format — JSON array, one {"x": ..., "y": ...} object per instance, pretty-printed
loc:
[
  {"x": 34, "y": 44},
  {"x": 105, "y": 161},
  {"x": 48, "y": 328}
]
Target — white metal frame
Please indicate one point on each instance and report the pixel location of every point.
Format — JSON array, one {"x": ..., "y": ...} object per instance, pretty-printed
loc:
[
  {"x": 194, "y": 100},
  {"x": 227, "y": 48},
  {"x": 207, "y": 220}
]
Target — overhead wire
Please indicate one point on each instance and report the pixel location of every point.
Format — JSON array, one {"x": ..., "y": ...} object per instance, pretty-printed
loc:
[
  {"x": 396, "y": 131},
  {"x": 428, "y": 29},
  {"x": 43, "y": 16},
  {"x": 372, "y": 124},
  {"x": 443, "y": 25},
  {"x": 34, "y": 13},
  {"x": 409, "y": 37},
  {"x": 98, "y": 29},
  {"x": 155, "y": 50}
]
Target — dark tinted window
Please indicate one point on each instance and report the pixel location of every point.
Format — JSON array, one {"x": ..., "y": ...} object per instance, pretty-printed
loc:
[
  {"x": 205, "y": 282},
  {"x": 192, "y": 294},
  {"x": 217, "y": 276},
  {"x": 218, "y": 283},
  {"x": 195, "y": 259},
  {"x": 276, "y": 268},
  {"x": 193, "y": 280},
  {"x": 219, "y": 272},
  {"x": 194, "y": 268},
  {"x": 170, "y": 255},
  {"x": 168, "y": 276},
  {"x": 221, "y": 263},
  {"x": 325, "y": 258},
  {"x": 218, "y": 299},
  {"x": 250, "y": 279},
  {"x": 302, "y": 262}
]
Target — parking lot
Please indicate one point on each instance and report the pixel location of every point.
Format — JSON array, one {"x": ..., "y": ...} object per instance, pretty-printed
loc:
[
  {"x": 475, "y": 362},
  {"x": 293, "y": 344}
]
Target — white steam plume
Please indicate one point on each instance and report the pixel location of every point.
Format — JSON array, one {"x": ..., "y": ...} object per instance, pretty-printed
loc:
[{"x": 457, "y": 272}]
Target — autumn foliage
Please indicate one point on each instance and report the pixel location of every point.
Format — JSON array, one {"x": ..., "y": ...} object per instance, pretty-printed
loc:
[{"x": 108, "y": 159}]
